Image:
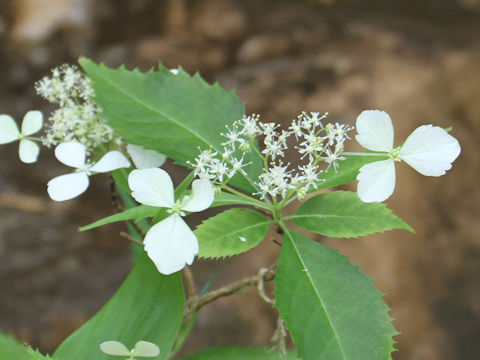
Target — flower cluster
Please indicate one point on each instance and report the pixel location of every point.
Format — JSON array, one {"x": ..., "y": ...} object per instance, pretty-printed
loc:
[
  {"x": 78, "y": 118},
  {"x": 316, "y": 143}
]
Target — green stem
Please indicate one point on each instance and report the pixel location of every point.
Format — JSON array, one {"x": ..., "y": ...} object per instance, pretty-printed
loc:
[
  {"x": 184, "y": 184},
  {"x": 363, "y": 154},
  {"x": 250, "y": 199},
  {"x": 290, "y": 196},
  {"x": 282, "y": 225},
  {"x": 264, "y": 158}
]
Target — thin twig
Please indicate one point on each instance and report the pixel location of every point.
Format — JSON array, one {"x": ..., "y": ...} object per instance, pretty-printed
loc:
[
  {"x": 131, "y": 238},
  {"x": 138, "y": 228},
  {"x": 267, "y": 213},
  {"x": 114, "y": 195},
  {"x": 278, "y": 339},
  {"x": 198, "y": 302},
  {"x": 23, "y": 202},
  {"x": 261, "y": 288},
  {"x": 189, "y": 282}
]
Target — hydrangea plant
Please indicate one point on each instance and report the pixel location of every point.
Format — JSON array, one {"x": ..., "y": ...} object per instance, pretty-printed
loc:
[{"x": 238, "y": 165}]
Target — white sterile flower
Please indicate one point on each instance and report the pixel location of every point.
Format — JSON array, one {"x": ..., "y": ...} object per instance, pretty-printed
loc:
[
  {"x": 170, "y": 243},
  {"x": 144, "y": 158},
  {"x": 73, "y": 154},
  {"x": 428, "y": 149},
  {"x": 9, "y": 132},
  {"x": 141, "y": 349}
]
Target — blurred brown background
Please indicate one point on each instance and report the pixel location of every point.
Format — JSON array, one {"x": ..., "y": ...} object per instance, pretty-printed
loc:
[{"x": 418, "y": 60}]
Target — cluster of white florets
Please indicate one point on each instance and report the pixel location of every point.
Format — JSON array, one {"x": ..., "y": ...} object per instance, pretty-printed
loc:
[
  {"x": 78, "y": 118},
  {"x": 316, "y": 144}
]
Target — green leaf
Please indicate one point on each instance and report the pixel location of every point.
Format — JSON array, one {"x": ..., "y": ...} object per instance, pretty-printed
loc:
[
  {"x": 347, "y": 171},
  {"x": 12, "y": 349},
  {"x": 137, "y": 213},
  {"x": 331, "y": 309},
  {"x": 343, "y": 214},
  {"x": 36, "y": 355},
  {"x": 148, "y": 306},
  {"x": 232, "y": 232},
  {"x": 239, "y": 353},
  {"x": 173, "y": 114}
]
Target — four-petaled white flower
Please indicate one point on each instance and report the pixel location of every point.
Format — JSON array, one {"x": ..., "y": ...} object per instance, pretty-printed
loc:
[
  {"x": 144, "y": 158},
  {"x": 69, "y": 186},
  {"x": 9, "y": 132},
  {"x": 141, "y": 349},
  {"x": 428, "y": 149},
  {"x": 170, "y": 243}
]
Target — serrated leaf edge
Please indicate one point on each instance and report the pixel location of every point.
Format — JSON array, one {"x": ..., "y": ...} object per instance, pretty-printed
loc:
[{"x": 357, "y": 269}]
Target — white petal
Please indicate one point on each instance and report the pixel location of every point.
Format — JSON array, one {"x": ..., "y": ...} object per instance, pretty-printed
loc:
[
  {"x": 375, "y": 130},
  {"x": 114, "y": 348},
  {"x": 32, "y": 122},
  {"x": 376, "y": 181},
  {"x": 71, "y": 154},
  {"x": 152, "y": 187},
  {"x": 201, "y": 197},
  {"x": 143, "y": 158},
  {"x": 66, "y": 187},
  {"x": 112, "y": 160},
  {"x": 28, "y": 151},
  {"x": 146, "y": 349},
  {"x": 430, "y": 150},
  {"x": 171, "y": 244},
  {"x": 8, "y": 129}
]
